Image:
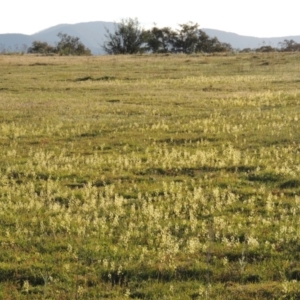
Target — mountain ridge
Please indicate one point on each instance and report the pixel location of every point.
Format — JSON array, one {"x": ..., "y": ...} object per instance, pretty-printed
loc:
[{"x": 92, "y": 35}]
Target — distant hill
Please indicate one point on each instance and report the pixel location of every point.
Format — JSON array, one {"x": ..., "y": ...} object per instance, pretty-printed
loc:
[
  {"x": 14, "y": 41},
  {"x": 92, "y": 35},
  {"x": 242, "y": 42}
]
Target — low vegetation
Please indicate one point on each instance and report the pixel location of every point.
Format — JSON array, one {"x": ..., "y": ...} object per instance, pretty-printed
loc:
[
  {"x": 68, "y": 45},
  {"x": 150, "y": 177}
]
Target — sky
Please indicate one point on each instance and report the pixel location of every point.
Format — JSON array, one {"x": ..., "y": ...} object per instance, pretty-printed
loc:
[{"x": 259, "y": 18}]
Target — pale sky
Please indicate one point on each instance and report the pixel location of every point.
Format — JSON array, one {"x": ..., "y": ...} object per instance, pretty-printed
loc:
[{"x": 260, "y": 18}]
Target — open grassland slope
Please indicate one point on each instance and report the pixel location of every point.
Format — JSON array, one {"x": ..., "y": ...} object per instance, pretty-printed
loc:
[{"x": 150, "y": 177}]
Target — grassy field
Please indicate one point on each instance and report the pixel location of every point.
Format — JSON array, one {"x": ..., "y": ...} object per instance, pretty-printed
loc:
[{"x": 150, "y": 177}]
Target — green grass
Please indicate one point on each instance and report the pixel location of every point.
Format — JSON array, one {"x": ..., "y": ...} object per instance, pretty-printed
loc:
[{"x": 150, "y": 177}]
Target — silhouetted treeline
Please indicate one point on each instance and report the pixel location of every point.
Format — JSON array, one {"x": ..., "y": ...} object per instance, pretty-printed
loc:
[
  {"x": 129, "y": 38},
  {"x": 68, "y": 45},
  {"x": 285, "y": 46}
]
